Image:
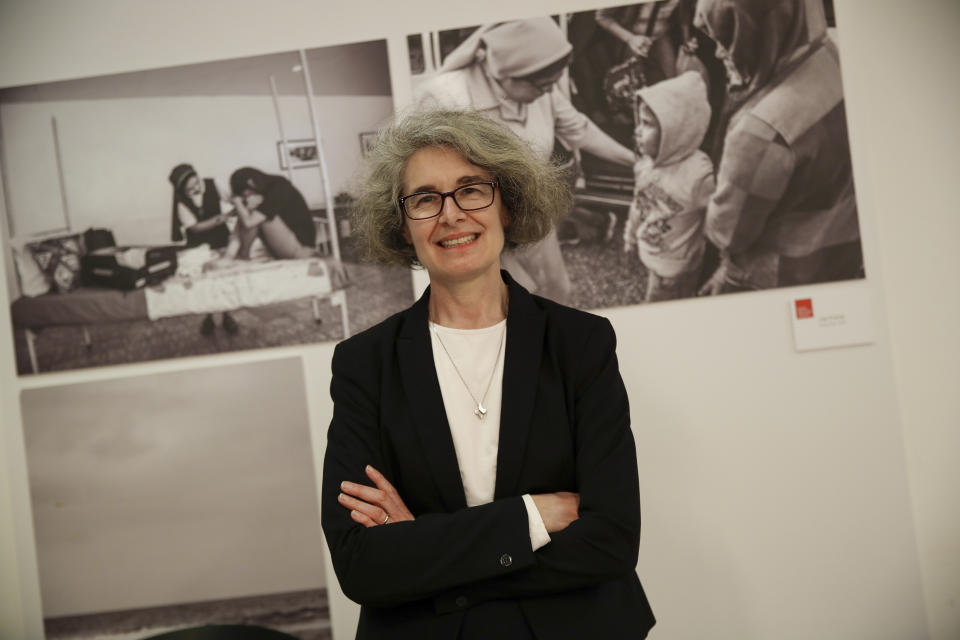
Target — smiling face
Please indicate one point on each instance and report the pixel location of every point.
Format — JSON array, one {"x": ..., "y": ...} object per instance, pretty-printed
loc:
[
  {"x": 193, "y": 187},
  {"x": 455, "y": 245}
]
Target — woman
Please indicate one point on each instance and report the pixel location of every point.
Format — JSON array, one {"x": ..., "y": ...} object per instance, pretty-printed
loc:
[
  {"x": 784, "y": 211},
  {"x": 271, "y": 208},
  {"x": 492, "y": 424},
  {"x": 509, "y": 72},
  {"x": 199, "y": 218}
]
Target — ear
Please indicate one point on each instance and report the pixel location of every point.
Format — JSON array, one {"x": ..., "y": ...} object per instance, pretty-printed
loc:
[
  {"x": 405, "y": 231},
  {"x": 505, "y": 217}
]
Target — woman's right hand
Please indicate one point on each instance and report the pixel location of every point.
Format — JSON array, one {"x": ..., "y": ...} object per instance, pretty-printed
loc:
[
  {"x": 371, "y": 506},
  {"x": 557, "y": 510}
]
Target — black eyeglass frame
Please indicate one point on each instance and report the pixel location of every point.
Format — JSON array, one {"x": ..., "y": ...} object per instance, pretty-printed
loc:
[{"x": 443, "y": 196}]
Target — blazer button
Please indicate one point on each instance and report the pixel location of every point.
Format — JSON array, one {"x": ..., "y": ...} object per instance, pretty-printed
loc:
[
  {"x": 506, "y": 560},
  {"x": 461, "y": 602}
]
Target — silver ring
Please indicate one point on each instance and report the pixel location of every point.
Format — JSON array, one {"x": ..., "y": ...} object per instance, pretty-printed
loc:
[{"x": 386, "y": 518}]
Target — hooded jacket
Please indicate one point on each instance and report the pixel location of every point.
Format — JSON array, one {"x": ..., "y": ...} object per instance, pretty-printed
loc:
[
  {"x": 784, "y": 181},
  {"x": 672, "y": 187}
]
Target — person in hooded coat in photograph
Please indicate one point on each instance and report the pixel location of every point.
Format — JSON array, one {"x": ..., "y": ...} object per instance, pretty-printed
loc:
[
  {"x": 674, "y": 181},
  {"x": 784, "y": 211}
]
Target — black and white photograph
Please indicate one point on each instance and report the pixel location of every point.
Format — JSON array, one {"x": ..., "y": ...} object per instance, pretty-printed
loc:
[
  {"x": 705, "y": 158},
  {"x": 191, "y": 210},
  {"x": 176, "y": 500}
]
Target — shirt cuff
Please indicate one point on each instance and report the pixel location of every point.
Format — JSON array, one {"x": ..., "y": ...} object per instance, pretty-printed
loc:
[{"x": 538, "y": 531}]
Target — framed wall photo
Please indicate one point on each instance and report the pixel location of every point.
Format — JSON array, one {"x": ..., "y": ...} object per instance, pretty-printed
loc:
[
  {"x": 624, "y": 236},
  {"x": 159, "y": 119},
  {"x": 251, "y": 569},
  {"x": 367, "y": 138},
  {"x": 300, "y": 153}
]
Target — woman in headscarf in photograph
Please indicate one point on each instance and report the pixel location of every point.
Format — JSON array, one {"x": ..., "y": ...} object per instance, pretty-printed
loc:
[
  {"x": 784, "y": 211},
  {"x": 199, "y": 218},
  {"x": 271, "y": 208},
  {"x": 480, "y": 478},
  {"x": 509, "y": 72}
]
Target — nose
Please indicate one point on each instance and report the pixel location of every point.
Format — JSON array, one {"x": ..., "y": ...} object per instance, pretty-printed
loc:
[{"x": 450, "y": 212}]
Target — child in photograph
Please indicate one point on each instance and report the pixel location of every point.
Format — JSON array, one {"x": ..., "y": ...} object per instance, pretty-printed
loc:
[
  {"x": 673, "y": 183},
  {"x": 199, "y": 219}
]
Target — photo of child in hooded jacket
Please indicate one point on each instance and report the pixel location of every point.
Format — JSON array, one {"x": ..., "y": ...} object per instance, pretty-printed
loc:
[{"x": 674, "y": 180}]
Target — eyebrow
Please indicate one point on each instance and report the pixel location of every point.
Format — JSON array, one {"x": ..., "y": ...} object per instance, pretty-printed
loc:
[{"x": 460, "y": 182}]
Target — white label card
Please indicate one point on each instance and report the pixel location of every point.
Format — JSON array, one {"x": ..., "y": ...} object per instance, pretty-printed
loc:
[{"x": 833, "y": 319}]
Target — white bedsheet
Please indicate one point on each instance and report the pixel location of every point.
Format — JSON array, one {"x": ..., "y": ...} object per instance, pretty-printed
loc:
[{"x": 238, "y": 284}]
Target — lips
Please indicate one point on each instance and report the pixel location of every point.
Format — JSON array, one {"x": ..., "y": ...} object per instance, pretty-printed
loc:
[{"x": 459, "y": 241}]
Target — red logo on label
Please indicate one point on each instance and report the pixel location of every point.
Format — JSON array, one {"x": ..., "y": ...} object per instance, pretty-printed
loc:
[{"x": 804, "y": 308}]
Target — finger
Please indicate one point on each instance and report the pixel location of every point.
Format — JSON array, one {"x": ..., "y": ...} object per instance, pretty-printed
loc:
[
  {"x": 392, "y": 503},
  {"x": 365, "y": 493},
  {"x": 362, "y": 519},
  {"x": 380, "y": 480},
  {"x": 373, "y": 512}
]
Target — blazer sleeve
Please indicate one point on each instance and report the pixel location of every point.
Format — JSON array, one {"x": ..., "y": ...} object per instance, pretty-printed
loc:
[
  {"x": 404, "y": 561},
  {"x": 603, "y": 543}
]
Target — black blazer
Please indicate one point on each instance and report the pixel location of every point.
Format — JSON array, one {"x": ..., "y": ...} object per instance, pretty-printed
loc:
[{"x": 457, "y": 571}]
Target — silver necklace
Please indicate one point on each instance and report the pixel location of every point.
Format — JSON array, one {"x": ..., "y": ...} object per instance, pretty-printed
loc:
[{"x": 480, "y": 411}]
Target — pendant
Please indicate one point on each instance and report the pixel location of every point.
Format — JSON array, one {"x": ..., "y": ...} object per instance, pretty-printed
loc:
[{"x": 480, "y": 411}]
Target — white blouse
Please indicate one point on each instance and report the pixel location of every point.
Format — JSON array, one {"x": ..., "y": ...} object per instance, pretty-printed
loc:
[{"x": 477, "y": 355}]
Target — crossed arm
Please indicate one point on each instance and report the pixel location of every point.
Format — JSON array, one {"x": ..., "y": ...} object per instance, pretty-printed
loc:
[
  {"x": 381, "y": 504},
  {"x": 595, "y": 533}
]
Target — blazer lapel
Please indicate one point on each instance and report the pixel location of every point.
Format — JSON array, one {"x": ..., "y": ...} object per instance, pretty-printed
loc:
[
  {"x": 422, "y": 390},
  {"x": 525, "y": 329}
]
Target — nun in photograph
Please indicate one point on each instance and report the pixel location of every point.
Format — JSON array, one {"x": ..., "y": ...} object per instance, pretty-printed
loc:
[
  {"x": 200, "y": 214},
  {"x": 784, "y": 211},
  {"x": 509, "y": 72}
]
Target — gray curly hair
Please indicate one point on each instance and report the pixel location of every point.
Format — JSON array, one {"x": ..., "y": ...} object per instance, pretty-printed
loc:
[{"x": 535, "y": 191}]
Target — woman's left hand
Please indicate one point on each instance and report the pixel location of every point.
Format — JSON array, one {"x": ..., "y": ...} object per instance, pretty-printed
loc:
[{"x": 374, "y": 506}]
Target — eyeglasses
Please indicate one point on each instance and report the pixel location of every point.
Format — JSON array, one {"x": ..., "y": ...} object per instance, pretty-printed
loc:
[
  {"x": 542, "y": 81},
  {"x": 428, "y": 204},
  {"x": 543, "y": 86}
]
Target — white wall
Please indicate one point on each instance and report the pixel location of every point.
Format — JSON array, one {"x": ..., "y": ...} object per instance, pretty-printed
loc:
[
  {"x": 908, "y": 92},
  {"x": 785, "y": 495}
]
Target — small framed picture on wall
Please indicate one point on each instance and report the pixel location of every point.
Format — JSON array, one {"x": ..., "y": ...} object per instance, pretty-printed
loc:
[{"x": 300, "y": 153}]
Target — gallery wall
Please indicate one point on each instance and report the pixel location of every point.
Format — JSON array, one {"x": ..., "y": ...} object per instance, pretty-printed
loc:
[{"x": 784, "y": 495}]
